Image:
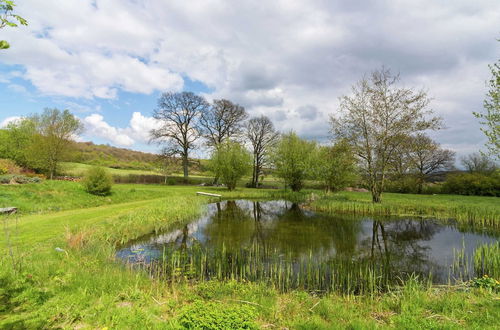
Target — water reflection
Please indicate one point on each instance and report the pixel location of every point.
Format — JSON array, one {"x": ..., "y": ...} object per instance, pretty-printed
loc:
[{"x": 283, "y": 232}]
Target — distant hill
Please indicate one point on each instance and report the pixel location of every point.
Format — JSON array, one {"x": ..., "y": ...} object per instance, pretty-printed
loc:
[
  {"x": 106, "y": 155},
  {"x": 122, "y": 158}
]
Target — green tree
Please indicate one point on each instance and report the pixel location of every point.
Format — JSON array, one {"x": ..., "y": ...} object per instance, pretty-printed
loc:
[
  {"x": 293, "y": 160},
  {"x": 54, "y": 131},
  {"x": 375, "y": 120},
  {"x": 336, "y": 166},
  {"x": 491, "y": 119},
  {"x": 16, "y": 140},
  {"x": 8, "y": 18},
  {"x": 230, "y": 162}
]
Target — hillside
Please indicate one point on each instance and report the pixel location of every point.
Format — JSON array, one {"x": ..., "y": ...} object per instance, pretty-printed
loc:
[
  {"x": 134, "y": 162},
  {"x": 106, "y": 155}
]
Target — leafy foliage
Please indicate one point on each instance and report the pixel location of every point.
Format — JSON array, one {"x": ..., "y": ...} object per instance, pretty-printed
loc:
[
  {"x": 336, "y": 166},
  {"x": 230, "y": 162},
  {"x": 293, "y": 159},
  {"x": 209, "y": 315},
  {"x": 473, "y": 184},
  {"x": 491, "y": 119},
  {"x": 8, "y": 18},
  {"x": 98, "y": 181}
]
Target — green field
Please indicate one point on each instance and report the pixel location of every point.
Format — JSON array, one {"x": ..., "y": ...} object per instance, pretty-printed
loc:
[
  {"x": 79, "y": 169},
  {"x": 83, "y": 287}
]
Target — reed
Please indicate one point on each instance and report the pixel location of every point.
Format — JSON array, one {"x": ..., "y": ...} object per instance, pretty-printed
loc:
[
  {"x": 282, "y": 271},
  {"x": 479, "y": 213},
  {"x": 487, "y": 260}
]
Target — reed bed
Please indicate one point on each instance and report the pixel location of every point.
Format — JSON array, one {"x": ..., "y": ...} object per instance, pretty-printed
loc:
[
  {"x": 464, "y": 212},
  {"x": 487, "y": 260},
  {"x": 282, "y": 271}
]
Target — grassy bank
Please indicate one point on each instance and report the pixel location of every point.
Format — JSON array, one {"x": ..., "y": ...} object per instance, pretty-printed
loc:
[
  {"x": 83, "y": 287},
  {"x": 480, "y": 212}
]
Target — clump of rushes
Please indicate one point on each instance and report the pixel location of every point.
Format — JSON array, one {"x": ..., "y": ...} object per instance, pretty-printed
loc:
[
  {"x": 97, "y": 181},
  {"x": 487, "y": 260}
]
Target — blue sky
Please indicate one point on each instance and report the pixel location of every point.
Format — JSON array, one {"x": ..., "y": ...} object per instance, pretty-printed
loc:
[{"x": 108, "y": 60}]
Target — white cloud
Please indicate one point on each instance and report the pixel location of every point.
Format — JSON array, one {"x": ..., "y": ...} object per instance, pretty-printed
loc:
[
  {"x": 278, "y": 58},
  {"x": 8, "y": 120},
  {"x": 96, "y": 126},
  {"x": 140, "y": 126},
  {"x": 137, "y": 130}
]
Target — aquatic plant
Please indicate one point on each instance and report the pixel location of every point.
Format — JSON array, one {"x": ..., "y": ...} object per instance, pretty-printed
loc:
[{"x": 487, "y": 260}]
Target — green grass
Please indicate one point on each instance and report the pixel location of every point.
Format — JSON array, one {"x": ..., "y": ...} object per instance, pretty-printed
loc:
[
  {"x": 51, "y": 196},
  {"x": 79, "y": 169},
  {"x": 83, "y": 287},
  {"x": 475, "y": 211}
]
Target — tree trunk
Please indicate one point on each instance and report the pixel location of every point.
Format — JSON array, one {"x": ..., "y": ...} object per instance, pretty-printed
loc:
[
  {"x": 254, "y": 172},
  {"x": 420, "y": 185},
  {"x": 185, "y": 166},
  {"x": 376, "y": 196}
]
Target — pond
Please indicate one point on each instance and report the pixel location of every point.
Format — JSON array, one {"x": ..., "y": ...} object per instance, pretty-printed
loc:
[{"x": 279, "y": 242}]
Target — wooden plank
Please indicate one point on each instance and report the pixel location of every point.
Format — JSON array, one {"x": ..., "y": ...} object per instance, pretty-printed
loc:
[
  {"x": 8, "y": 210},
  {"x": 207, "y": 194}
]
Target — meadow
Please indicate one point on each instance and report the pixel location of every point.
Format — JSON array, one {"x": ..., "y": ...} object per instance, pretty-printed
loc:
[{"x": 58, "y": 269}]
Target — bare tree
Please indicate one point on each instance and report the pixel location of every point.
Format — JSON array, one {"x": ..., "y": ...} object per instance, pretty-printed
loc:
[
  {"x": 180, "y": 115},
  {"x": 262, "y": 136},
  {"x": 375, "y": 118},
  {"x": 223, "y": 121},
  {"x": 427, "y": 158},
  {"x": 478, "y": 163}
]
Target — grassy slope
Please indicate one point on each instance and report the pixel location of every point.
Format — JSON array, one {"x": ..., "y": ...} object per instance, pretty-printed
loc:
[
  {"x": 62, "y": 195},
  {"x": 79, "y": 169},
  {"x": 84, "y": 287}
]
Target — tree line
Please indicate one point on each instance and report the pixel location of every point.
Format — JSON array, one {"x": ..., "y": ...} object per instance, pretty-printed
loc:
[{"x": 379, "y": 137}]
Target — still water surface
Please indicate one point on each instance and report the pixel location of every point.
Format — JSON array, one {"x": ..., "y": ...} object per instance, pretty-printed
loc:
[{"x": 274, "y": 231}]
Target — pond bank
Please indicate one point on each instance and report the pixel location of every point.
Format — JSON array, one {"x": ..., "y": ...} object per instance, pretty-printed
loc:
[{"x": 83, "y": 288}]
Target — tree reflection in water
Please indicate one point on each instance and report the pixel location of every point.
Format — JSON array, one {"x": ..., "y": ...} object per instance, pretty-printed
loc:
[{"x": 282, "y": 232}]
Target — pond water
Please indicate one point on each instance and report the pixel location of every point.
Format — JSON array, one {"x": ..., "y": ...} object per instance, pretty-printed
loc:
[{"x": 282, "y": 243}]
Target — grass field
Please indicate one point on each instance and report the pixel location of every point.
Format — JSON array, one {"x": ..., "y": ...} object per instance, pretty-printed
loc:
[
  {"x": 83, "y": 287},
  {"x": 79, "y": 169}
]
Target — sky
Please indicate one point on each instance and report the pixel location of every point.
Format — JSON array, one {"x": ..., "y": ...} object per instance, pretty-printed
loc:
[{"x": 108, "y": 61}]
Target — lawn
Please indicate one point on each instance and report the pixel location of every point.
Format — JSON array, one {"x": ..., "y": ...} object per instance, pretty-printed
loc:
[{"x": 82, "y": 287}]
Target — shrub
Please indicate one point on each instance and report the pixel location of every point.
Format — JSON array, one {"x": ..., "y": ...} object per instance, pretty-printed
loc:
[
  {"x": 98, "y": 181},
  {"x": 8, "y": 166},
  {"x": 473, "y": 184},
  {"x": 208, "y": 315},
  {"x": 20, "y": 179}
]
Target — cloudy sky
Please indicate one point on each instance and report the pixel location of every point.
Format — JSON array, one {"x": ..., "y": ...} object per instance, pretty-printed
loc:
[{"x": 108, "y": 60}]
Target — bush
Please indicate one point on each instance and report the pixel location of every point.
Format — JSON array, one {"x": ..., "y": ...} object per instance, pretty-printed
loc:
[
  {"x": 8, "y": 166},
  {"x": 98, "y": 181},
  {"x": 473, "y": 184},
  {"x": 20, "y": 179},
  {"x": 208, "y": 315}
]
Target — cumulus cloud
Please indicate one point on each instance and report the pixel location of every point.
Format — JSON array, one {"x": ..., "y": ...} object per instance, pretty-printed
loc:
[
  {"x": 8, "y": 120},
  {"x": 279, "y": 55},
  {"x": 137, "y": 130},
  {"x": 96, "y": 126}
]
